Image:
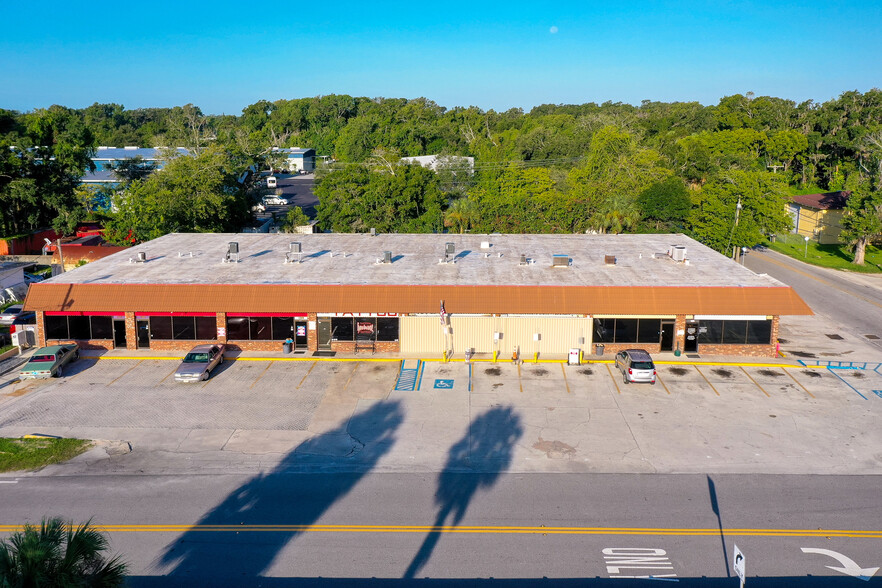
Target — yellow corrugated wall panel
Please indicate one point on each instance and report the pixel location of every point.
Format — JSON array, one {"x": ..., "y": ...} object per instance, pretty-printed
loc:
[
  {"x": 475, "y": 332},
  {"x": 421, "y": 334},
  {"x": 558, "y": 335}
]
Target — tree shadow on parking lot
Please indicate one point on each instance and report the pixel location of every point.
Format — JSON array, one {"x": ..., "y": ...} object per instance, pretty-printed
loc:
[
  {"x": 487, "y": 447},
  {"x": 290, "y": 503}
]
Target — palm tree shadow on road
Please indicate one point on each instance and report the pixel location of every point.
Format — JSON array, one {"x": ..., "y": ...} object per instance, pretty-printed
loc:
[
  {"x": 280, "y": 498},
  {"x": 487, "y": 447}
]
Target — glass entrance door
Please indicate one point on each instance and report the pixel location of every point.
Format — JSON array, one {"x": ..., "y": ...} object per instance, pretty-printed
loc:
[
  {"x": 691, "y": 344},
  {"x": 324, "y": 333},
  {"x": 143, "y": 335},
  {"x": 667, "y": 335},
  {"x": 301, "y": 341},
  {"x": 119, "y": 334}
]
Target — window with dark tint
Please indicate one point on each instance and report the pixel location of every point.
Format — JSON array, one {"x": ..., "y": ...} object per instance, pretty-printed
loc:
[
  {"x": 261, "y": 328},
  {"x": 283, "y": 327},
  {"x": 604, "y": 330},
  {"x": 648, "y": 330},
  {"x": 78, "y": 327},
  {"x": 626, "y": 331},
  {"x": 387, "y": 329},
  {"x": 161, "y": 327},
  {"x": 710, "y": 332},
  {"x": 206, "y": 328},
  {"x": 56, "y": 327},
  {"x": 342, "y": 329},
  {"x": 734, "y": 332},
  {"x": 237, "y": 328},
  {"x": 759, "y": 332},
  {"x": 102, "y": 327},
  {"x": 184, "y": 327}
]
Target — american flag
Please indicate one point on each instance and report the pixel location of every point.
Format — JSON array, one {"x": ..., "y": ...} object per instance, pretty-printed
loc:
[{"x": 443, "y": 314}]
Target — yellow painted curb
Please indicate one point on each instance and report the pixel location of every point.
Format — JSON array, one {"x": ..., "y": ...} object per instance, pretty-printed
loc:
[{"x": 40, "y": 436}]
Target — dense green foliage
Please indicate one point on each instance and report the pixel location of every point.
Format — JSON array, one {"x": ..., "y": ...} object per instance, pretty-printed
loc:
[
  {"x": 58, "y": 555},
  {"x": 559, "y": 168}
]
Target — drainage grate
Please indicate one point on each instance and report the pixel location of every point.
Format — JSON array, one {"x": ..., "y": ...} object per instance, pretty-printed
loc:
[
  {"x": 834, "y": 336},
  {"x": 873, "y": 337}
]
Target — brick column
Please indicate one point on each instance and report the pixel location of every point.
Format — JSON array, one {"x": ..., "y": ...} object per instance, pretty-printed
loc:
[
  {"x": 221, "y": 324},
  {"x": 131, "y": 331},
  {"x": 680, "y": 332},
  {"x": 41, "y": 330},
  {"x": 312, "y": 333}
]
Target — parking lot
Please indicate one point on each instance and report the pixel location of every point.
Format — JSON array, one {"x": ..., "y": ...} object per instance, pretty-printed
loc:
[{"x": 698, "y": 418}]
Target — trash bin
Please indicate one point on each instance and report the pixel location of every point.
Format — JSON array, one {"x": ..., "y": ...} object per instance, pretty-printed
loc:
[
  {"x": 573, "y": 357},
  {"x": 598, "y": 349},
  {"x": 287, "y": 346},
  {"x": 468, "y": 355}
]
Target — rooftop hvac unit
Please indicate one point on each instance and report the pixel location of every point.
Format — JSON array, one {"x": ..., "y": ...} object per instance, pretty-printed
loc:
[
  {"x": 142, "y": 256},
  {"x": 387, "y": 257},
  {"x": 449, "y": 248},
  {"x": 485, "y": 244},
  {"x": 234, "y": 247},
  {"x": 678, "y": 253},
  {"x": 373, "y": 232},
  {"x": 523, "y": 259},
  {"x": 294, "y": 247},
  {"x": 560, "y": 261},
  {"x": 609, "y": 259}
]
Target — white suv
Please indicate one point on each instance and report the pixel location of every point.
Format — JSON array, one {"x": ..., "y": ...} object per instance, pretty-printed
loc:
[
  {"x": 636, "y": 366},
  {"x": 274, "y": 200}
]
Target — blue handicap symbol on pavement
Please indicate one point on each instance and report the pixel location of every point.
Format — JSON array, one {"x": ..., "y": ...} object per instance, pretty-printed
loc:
[{"x": 444, "y": 383}]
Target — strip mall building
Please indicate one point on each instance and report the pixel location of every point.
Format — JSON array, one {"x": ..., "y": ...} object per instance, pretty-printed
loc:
[{"x": 417, "y": 294}]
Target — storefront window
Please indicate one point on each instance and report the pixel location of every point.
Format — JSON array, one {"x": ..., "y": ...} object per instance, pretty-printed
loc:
[
  {"x": 184, "y": 328},
  {"x": 734, "y": 332},
  {"x": 102, "y": 327},
  {"x": 261, "y": 328},
  {"x": 627, "y": 330},
  {"x": 237, "y": 328},
  {"x": 161, "y": 328},
  {"x": 387, "y": 329},
  {"x": 56, "y": 327},
  {"x": 283, "y": 327},
  {"x": 206, "y": 328},
  {"x": 342, "y": 329}
]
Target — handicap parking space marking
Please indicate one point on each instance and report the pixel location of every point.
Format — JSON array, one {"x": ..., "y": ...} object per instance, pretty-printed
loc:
[{"x": 443, "y": 383}]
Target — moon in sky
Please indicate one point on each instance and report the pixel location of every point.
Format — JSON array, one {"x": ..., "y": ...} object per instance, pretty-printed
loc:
[{"x": 553, "y": 30}]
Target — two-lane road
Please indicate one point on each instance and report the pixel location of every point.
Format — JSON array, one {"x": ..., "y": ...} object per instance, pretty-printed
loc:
[
  {"x": 851, "y": 301},
  {"x": 452, "y": 527}
]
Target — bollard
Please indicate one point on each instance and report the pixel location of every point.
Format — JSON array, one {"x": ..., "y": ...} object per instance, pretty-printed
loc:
[
  {"x": 536, "y": 357},
  {"x": 445, "y": 356},
  {"x": 495, "y": 354}
]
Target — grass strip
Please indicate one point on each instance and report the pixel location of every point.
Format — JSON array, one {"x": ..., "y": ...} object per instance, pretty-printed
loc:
[
  {"x": 33, "y": 454},
  {"x": 835, "y": 256}
]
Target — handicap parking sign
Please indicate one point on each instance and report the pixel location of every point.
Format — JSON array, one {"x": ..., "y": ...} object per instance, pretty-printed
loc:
[{"x": 444, "y": 384}]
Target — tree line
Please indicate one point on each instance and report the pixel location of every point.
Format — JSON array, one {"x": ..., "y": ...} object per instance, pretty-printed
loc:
[{"x": 608, "y": 167}]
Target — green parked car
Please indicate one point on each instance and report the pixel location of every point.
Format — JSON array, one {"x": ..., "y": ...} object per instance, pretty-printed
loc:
[{"x": 47, "y": 362}]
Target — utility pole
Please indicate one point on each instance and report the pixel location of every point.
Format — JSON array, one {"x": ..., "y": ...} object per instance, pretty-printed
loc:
[{"x": 737, "y": 217}]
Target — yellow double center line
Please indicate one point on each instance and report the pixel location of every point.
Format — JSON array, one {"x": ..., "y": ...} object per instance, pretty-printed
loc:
[{"x": 540, "y": 530}]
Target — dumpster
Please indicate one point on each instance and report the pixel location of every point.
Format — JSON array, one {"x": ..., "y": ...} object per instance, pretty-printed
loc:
[
  {"x": 287, "y": 346},
  {"x": 598, "y": 349}
]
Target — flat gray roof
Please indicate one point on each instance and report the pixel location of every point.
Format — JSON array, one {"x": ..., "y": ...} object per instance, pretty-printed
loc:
[{"x": 337, "y": 258}]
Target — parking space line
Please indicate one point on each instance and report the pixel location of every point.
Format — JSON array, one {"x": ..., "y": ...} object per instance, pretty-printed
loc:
[
  {"x": 310, "y": 371},
  {"x": 167, "y": 375},
  {"x": 261, "y": 375},
  {"x": 658, "y": 377},
  {"x": 798, "y": 383},
  {"x": 706, "y": 380},
  {"x": 609, "y": 369},
  {"x": 346, "y": 387},
  {"x": 566, "y": 383},
  {"x": 755, "y": 383},
  {"x": 124, "y": 373}
]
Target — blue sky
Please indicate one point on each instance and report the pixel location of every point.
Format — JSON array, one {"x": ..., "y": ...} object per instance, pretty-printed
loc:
[{"x": 223, "y": 56}]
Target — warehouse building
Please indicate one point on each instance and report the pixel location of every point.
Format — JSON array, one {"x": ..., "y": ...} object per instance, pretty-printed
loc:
[{"x": 424, "y": 294}]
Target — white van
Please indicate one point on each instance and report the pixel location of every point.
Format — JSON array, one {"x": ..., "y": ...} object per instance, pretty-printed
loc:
[{"x": 271, "y": 182}]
